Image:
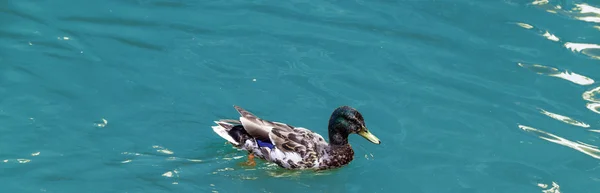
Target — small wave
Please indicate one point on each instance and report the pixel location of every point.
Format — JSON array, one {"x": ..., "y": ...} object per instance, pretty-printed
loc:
[
  {"x": 564, "y": 119},
  {"x": 592, "y": 95},
  {"x": 590, "y": 150},
  {"x": 554, "y": 72},
  {"x": 581, "y": 12}
]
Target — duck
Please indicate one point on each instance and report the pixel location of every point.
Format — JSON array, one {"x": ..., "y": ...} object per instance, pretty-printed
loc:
[{"x": 295, "y": 148}]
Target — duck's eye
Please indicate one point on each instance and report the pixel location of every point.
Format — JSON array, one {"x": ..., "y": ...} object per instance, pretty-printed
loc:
[{"x": 355, "y": 121}]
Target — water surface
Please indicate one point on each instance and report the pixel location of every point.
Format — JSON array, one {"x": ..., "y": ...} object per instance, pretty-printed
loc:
[{"x": 466, "y": 96}]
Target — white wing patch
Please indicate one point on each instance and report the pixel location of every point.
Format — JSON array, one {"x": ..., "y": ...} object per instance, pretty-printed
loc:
[
  {"x": 223, "y": 133},
  {"x": 285, "y": 157}
]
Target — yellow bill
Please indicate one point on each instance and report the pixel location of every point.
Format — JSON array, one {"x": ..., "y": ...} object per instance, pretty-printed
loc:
[{"x": 367, "y": 135}]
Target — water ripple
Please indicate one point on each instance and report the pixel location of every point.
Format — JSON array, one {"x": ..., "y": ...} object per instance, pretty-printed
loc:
[
  {"x": 136, "y": 43},
  {"x": 582, "y": 12},
  {"x": 594, "y": 107},
  {"x": 544, "y": 33},
  {"x": 564, "y": 119},
  {"x": 125, "y": 22},
  {"x": 28, "y": 15},
  {"x": 590, "y": 150},
  {"x": 591, "y": 50},
  {"x": 554, "y": 72},
  {"x": 554, "y": 189},
  {"x": 160, "y": 3},
  {"x": 592, "y": 95}
]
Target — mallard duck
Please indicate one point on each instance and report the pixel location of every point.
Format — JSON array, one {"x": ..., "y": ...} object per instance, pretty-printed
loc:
[{"x": 295, "y": 147}]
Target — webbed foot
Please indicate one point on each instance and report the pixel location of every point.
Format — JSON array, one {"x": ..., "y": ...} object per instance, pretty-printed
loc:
[{"x": 250, "y": 161}]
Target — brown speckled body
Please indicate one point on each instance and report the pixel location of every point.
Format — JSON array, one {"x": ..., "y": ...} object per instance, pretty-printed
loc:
[{"x": 339, "y": 155}]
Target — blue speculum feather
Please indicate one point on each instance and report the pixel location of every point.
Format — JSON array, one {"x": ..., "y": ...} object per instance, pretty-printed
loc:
[{"x": 265, "y": 144}]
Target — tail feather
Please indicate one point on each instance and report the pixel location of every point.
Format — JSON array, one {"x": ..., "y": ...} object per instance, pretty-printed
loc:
[
  {"x": 244, "y": 112},
  {"x": 222, "y": 129},
  {"x": 236, "y": 132},
  {"x": 232, "y": 133},
  {"x": 225, "y": 125}
]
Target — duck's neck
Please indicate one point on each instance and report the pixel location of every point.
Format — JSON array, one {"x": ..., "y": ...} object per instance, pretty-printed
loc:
[
  {"x": 339, "y": 152},
  {"x": 337, "y": 134},
  {"x": 338, "y": 138}
]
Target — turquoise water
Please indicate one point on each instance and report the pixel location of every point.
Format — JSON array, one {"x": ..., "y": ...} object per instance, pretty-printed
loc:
[{"x": 466, "y": 96}]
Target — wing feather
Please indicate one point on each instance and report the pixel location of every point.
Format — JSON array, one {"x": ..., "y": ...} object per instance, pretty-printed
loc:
[
  {"x": 257, "y": 127},
  {"x": 299, "y": 141},
  {"x": 301, "y": 145}
]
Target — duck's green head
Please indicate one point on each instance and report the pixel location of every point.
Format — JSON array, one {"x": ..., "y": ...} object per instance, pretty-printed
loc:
[{"x": 346, "y": 120}]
